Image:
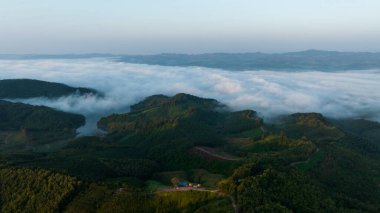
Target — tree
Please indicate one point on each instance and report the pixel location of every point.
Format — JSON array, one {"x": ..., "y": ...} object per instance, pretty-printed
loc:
[{"x": 175, "y": 181}]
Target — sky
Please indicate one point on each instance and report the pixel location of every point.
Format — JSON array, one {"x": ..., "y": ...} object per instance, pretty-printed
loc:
[{"x": 187, "y": 26}]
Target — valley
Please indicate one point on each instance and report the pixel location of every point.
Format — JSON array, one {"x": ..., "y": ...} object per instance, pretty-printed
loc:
[
  {"x": 302, "y": 162},
  {"x": 216, "y": 106}
]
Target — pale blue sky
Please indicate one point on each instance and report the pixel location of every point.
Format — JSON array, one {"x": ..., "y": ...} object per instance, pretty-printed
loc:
[{"x": 187, "y": 26}]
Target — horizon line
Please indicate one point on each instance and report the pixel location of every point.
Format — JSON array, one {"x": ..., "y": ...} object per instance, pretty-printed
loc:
[{"x": 103, "y": 54}]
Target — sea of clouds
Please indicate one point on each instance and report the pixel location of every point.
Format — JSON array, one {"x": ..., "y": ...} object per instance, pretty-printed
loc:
[{"x": 348, "y": 94}]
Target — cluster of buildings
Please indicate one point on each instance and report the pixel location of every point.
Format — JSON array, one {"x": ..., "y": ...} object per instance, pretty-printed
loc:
[{"x": 183, "y": 184}]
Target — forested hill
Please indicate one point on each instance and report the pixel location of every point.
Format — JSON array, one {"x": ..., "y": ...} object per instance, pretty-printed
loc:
[
  {"x": 35, "y": 124},
  {"x": 15, "y": 116},
  {"x": 181, "y": 111},
  {"x": 303, "y": 162},
  {"x": 28, "y": 88},
  {"x": 293, "y": 61}
]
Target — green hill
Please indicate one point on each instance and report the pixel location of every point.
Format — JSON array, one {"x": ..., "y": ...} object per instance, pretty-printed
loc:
[
  {"x": 26, "y": 190},
  {"x": 303, "y": 162},
  {"x": 28, "y": 88},
  {"x": 180, "y": 111},
  {"x": 312, "y": 125},
  {"x": 36, "y": 124},
  {"x": 340, "y": 175},
  {"x": 368, "y": 130}
]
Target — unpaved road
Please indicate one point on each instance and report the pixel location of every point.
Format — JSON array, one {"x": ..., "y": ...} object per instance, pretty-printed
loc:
[{"x": 215, "y": 155}]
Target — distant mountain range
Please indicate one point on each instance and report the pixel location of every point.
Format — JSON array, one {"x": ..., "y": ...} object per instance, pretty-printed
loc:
[
  {"x": 292, "y": 61},
  {"x": 52, "y": 56}
]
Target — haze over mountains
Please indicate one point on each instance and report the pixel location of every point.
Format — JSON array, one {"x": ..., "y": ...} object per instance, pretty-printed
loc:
[
  {"x": 217, "y": 106},
  {"x": 297, "y": 61},
  {"x": 338, "y": 94},
  {"x": 241, "y": 162},
  {"x": 253, "y": 140},
  {"x": 293, "y": 61}
]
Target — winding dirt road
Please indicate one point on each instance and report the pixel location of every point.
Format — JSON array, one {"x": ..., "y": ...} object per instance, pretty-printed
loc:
[{"x": 210, "y": 152}]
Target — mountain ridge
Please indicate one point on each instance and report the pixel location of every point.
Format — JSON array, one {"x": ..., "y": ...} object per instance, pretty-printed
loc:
[
  {"x": 319, "y": 60},
  {"x": 290, "y": 61},
  {"x": 31, "y": 88},
  {"x": 304, "y": 162}
]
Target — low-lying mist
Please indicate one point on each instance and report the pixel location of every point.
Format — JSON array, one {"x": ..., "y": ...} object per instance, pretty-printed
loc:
[{"x": 348, "y": 94}]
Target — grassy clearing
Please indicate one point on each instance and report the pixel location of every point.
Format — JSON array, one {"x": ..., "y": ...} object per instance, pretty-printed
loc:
[
  {"x": 187, "y": 198},
  {"x": 206, "y": 178},
  {"x": 165, "y": 177},
  {"x": 152, "y": 186},
  {"x": 16, "y": 138},
  {"x": 218, "y": 206}
]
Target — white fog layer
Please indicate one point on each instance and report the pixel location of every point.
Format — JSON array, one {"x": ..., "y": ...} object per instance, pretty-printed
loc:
[{"x": 336, "y": 94}]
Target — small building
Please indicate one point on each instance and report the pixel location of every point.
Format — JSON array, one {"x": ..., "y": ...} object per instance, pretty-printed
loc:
[{"x": 182, "y": 184}]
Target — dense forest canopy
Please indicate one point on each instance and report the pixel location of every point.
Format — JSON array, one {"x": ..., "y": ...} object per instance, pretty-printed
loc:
[
  {"x": 16, "y": 116},
  {"x": 28, "y": 88},
  {"x": 303, "y": 162},
  {"x": 36, "y": 124}
]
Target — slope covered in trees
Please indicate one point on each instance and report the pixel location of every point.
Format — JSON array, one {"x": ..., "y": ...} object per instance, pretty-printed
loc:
[
  {"x": 303, "y": 162},
  {"x": 28, "y": 88},
  {"x": 340, "y": 175},
  {"x": 27, "y": 190},
  {"x": 36, "y": 124},
  {"x": 180, "y": 111}
]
